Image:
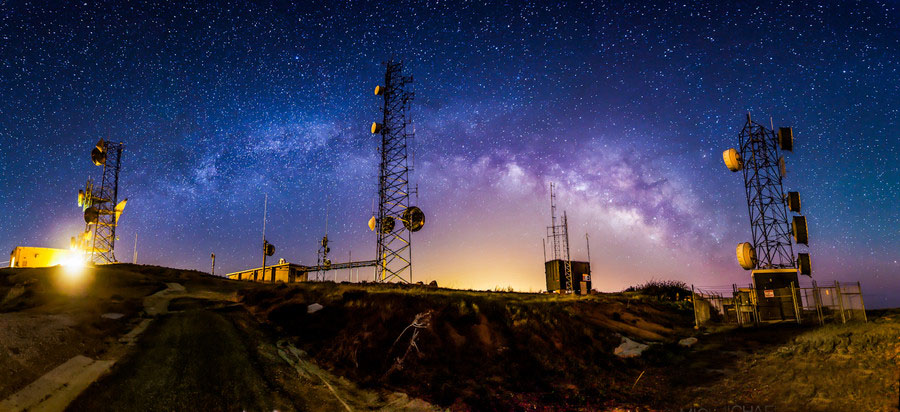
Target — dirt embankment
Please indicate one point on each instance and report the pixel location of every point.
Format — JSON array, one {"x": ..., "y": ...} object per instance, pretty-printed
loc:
[{"x": 478, "y": 350}]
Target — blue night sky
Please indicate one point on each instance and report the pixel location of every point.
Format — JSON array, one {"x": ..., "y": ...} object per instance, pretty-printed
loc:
[{"x": 627, "y": 106}]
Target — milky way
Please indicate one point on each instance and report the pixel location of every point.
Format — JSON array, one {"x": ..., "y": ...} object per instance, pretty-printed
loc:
[{"x": 627, "y": 106}]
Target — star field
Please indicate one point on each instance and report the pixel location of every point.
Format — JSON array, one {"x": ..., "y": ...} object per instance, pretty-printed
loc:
[{"x": 626, "y": 105}]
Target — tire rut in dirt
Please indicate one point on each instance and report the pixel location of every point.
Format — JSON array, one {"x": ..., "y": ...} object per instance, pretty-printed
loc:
[{"x": 191, "y": 360}]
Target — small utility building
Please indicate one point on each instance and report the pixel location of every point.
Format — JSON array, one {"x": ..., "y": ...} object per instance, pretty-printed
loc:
[
  {"x": 555, "y": 271},
  {"x": 37, "y": 257},
  {"x": 280, "y": 272}
]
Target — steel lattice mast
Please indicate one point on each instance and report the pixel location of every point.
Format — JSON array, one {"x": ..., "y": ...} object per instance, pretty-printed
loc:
[
  {"x": 559, "y": 234},
  {"x": 101, "y": 206},
  {"x": 769, "y": 222},
  {"x": 396, "y": 218}
]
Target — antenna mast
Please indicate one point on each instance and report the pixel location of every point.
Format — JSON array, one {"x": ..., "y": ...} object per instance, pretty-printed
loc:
[
  {"x": 101, "y": 206},
  {"x": 396, "y": 218},
  {"x": 559, "y": 235},
  {"x": 771, "y": 226},
  {"x": 765, "y": 197},
  {"x": 265, "y": 244}
]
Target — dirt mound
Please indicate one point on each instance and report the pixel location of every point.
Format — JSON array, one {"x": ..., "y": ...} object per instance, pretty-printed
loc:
[{"x": 473, "y": 349}]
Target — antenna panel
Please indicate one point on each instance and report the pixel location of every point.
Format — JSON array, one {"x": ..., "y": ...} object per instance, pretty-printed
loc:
[
  {"x": 786, "y": 138},
  {"x": 801, "y": 235}
]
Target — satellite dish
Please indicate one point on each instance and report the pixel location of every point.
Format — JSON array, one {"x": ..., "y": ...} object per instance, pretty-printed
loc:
[
  {"x": 98, "y": 156},
  {"x": 372, "y": 224},
  {"x": 793, "y": 201},
  {"x": 801, "y": 233},
  {"x": 91, "y": 215},
  {"x": 746, "y": 255},
  {"x": 803, "y": 264},
  {"x": 269, "y": 249},
  {"x": 413, "y": 219},
  {"x": 733, "y": 160},
  {"x": 387, "y": 224},
  {"x": 781, "y": 167},
  {"x": 786, "y": 138},
  {"x": 379, "y": 90},
  {"x": 376, "y": 127}
]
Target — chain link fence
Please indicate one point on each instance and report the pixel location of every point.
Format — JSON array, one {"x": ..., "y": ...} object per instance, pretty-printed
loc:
[{"x": 803, "y": 305}]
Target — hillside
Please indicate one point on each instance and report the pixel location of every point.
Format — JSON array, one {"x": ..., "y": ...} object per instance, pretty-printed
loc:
[{"x": 316, "y": 346}]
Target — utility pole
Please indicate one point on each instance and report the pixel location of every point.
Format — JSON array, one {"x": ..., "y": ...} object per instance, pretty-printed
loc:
[
  {"x": 265, "y": 246},
  {"x": 134, "y": 259},
  {"x": 213, "y": 256},
  {"x": 544, "y": 244},
  {"x": 587, "y": 241}
]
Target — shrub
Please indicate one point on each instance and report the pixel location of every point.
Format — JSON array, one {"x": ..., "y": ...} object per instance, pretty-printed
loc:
[{"x": 664, "y": 290}]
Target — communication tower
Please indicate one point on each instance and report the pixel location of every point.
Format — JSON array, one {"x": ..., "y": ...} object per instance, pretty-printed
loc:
[
  {"x": 759, "y": 158},
  {"x": 559, "y": 237},
  {"x": 100, "y": 206},
  {"x": 268, "y": 248},
  {"x": 322, "y": 260},
  {"x": 394, "y": 241}
]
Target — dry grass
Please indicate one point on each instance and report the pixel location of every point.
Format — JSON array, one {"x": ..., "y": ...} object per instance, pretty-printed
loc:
[{"x": 832, "y": 368}]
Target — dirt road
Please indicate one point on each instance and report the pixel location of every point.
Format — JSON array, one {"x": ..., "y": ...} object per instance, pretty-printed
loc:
[
  {"x": 211, "y": 355},
  {"x": 187, "y": 359}
]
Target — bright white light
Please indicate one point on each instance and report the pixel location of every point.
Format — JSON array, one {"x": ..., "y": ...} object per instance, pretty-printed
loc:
[{"x": 73, "y": 264}]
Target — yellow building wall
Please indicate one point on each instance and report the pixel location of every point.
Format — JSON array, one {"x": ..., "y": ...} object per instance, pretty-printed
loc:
[
  {"x": 281, "y": 273},
  {"x": 37, "y": 257}
]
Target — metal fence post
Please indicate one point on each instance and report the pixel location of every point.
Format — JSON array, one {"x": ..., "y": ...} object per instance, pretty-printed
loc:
[
  {"x": 862, "y": 303},
  {"x": 794, "y": 299},
  {"x": 694, "y": 301},
  {"x": 754, "y": 302},
  {"x": 817, "y": 299},
  {"x": 840, "y": 298}
]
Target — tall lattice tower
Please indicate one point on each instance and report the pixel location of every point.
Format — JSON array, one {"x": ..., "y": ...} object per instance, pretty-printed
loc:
[
  {"x": 101, "y": 206},
  {"x": 559, "y": 237},
  {"x": 759, "y": 158},
  {"x": 394, "y": 241}
]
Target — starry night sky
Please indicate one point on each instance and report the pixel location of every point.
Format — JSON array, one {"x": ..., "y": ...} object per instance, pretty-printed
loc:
[{"x": 627, "y": 106}]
